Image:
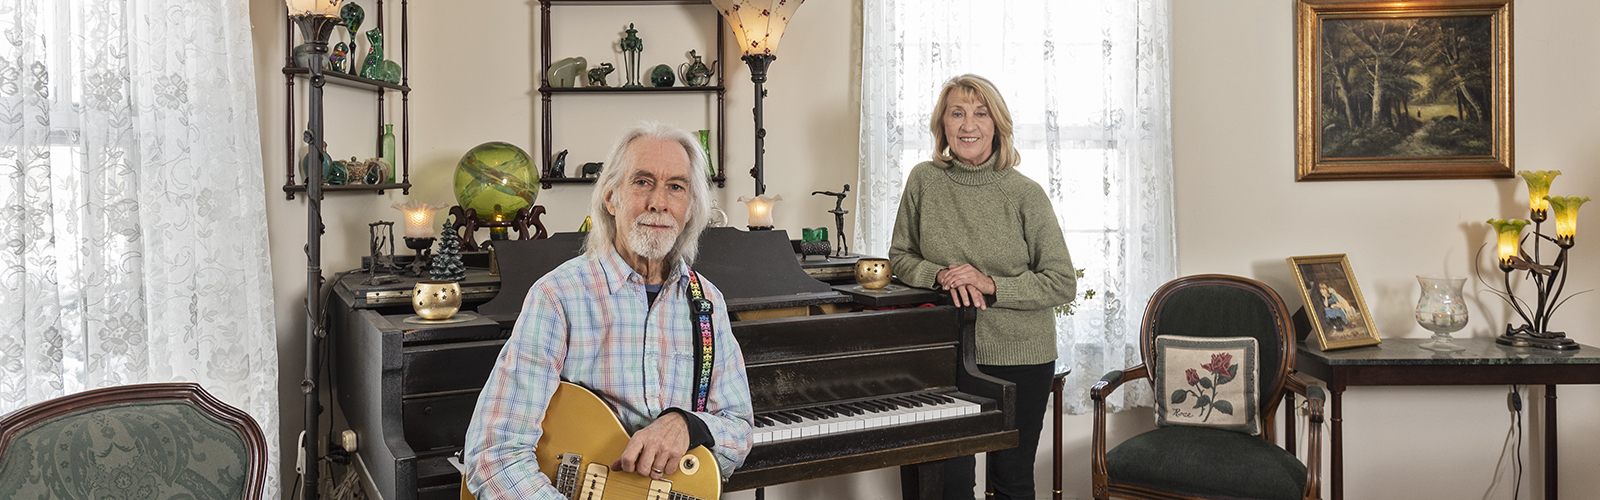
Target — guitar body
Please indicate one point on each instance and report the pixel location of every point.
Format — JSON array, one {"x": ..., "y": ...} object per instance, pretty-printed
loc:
[{"x": 582, "y": 436}]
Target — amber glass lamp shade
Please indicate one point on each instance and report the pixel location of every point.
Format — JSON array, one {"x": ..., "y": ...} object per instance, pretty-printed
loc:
[
  {"x": 1538, "y": 188},
  {"x": 1565, "y": 210},
  {"x": 419, "y": 217},
  {"x": 1509, "y": 232},
  {"x": 757, "y": 24}
]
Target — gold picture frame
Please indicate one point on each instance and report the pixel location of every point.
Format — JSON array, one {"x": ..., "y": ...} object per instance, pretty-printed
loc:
[
  {"x": 1438, "y": 72},
  {"x": 1334, "y": 306}
]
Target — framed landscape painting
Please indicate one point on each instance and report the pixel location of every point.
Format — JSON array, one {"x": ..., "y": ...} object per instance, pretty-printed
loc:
[
  {"x": 1402, "y": 90},
  {"x": 1338, "y": 314}
]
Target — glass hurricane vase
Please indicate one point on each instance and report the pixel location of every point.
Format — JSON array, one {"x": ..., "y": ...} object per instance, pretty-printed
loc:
[{"x": 1442, "y": 309}]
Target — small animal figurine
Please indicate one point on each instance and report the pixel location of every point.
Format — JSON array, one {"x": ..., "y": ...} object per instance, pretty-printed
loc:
[
  {"x": 558, "y": 167},
  {"x": 597, "y": 75},
  {"x": 564, "y": 73},
  {"x": 372, "y": 66},
  {"x": 592, "y": 169}
]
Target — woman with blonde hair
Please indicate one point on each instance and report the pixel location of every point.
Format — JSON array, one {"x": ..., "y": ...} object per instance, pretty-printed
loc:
[{"x": 970, "y": 224}]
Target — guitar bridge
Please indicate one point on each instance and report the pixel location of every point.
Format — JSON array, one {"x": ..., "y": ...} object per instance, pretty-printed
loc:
[{"x": 567, "y": 473}]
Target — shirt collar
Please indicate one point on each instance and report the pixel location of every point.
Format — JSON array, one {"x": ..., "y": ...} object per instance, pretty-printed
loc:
[{"x": 618, "y": 273}]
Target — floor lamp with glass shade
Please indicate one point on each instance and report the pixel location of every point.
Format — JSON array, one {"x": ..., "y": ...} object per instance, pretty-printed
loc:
[
  {"x": 316, "y": 19},
  {"x": 758, "y": 26}
]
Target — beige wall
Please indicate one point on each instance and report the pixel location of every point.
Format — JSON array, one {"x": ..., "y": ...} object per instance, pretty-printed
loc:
[
  {"x": 1232, "y": 109},
  {"x": 1233, "y": 94}
]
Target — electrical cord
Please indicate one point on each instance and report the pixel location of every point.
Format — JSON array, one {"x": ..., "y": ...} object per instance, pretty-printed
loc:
[{"x": 1516, "y": 422}]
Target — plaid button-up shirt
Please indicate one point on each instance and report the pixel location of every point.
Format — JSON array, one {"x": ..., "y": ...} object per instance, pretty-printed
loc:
[{"x": 588, "y": 322}]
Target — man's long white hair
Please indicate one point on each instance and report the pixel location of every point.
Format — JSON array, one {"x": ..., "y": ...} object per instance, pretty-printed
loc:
[{"x": 603, "y": 233}]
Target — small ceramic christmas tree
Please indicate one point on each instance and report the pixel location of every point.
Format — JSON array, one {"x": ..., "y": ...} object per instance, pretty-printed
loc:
[{"x": 447, "y": 262}]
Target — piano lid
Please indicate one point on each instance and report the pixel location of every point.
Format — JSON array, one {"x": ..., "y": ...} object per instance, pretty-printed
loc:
[{"x": 753, "y": 269}]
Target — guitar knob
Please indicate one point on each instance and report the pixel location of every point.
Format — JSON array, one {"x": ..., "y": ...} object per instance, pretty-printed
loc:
[{"x": 690, "y": 465}]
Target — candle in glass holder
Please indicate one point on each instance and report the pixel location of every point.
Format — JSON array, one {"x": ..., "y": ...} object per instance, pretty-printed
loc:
[
  {"x": 760, "y": 210},
  {"x": 419, "y": 217}
]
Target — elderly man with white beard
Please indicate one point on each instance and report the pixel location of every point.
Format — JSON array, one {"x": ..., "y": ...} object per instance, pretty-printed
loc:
[{"x": 621, "y": 321}]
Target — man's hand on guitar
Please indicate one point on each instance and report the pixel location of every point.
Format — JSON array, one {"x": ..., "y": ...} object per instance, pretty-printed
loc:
[{"x": 654, "y": 450}]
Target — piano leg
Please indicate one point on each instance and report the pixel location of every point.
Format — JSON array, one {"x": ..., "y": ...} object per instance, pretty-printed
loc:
[{"x": 924, "y": 481}]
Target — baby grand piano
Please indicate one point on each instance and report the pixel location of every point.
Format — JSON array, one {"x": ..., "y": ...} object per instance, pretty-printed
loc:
[{"x": 833, "y": 393}]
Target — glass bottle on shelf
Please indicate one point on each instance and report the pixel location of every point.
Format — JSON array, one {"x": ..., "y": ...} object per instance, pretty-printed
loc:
[{"x": 387, "y": 151}]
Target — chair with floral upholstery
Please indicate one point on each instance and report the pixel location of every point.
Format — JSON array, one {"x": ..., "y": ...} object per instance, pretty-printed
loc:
[
  {"x": 148, "y": 441},
  {"x": 1220, "y": 352}
]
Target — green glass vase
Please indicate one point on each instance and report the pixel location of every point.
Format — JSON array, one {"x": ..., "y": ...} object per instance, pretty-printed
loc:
[{"x": 387, "y": 151}]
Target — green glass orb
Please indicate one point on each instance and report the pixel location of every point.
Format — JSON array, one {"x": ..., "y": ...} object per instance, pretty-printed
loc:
[{"x": 496, "y": 178}]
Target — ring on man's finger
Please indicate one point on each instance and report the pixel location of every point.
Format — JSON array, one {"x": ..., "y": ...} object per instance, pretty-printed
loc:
[{"x": 657, "y": 471}]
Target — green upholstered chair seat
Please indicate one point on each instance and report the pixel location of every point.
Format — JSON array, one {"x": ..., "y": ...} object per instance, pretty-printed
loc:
[
  {"x": 1210, "y": 463},
  {"x": 146, "y": 442}
]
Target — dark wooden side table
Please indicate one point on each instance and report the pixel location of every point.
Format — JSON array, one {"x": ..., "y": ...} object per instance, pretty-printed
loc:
[{"x": 1405, "y": 362}]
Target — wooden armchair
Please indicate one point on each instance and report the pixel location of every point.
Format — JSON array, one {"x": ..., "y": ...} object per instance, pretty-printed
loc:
[
  {"x": 151, "y": 441},
  {"x": 1190, "y": 462}
]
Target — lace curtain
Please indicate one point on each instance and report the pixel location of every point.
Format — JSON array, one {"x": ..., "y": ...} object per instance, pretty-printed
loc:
[
  {"x": 1088, "y": 86},
  {"x": 133, "y": 243}
]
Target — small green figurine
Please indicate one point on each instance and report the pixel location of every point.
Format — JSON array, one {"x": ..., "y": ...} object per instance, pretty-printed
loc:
[
  {"x": 372, "y": 67},
  {"x": 695, "y": 74},
  {"x": 597, "y": 75},
  {"x": 632, "y": 45}
]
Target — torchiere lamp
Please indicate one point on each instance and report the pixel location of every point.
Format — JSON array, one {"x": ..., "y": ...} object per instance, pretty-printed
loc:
[
  {"x": 758, "y": 26},
  {"x": 316, "y": 19}
]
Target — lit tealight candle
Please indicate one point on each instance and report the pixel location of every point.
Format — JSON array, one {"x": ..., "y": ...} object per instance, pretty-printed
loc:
[
  {"x": 1510, "y": 231},
  {"x": 419, "y": 217},
  {"x": 760, "y": 210}
]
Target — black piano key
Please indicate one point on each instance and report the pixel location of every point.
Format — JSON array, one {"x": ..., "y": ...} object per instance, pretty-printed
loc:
[
  {"x": 944, "y": 397},
  {"x": 848, "y": 409},
  {"x": 908, "y": 401},
  {"x": 828, "y": 411},
  {"x": 865, "y": 407},
  {"x": 929, "y": 399},
  {"x": 763, "y": 421},
  {"x": 784, "y": 417}
]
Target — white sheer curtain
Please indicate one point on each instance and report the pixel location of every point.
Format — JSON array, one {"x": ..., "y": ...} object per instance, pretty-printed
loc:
[
  {"x": 133, "y": 242},
  {"x": 1088, "y": 85}
]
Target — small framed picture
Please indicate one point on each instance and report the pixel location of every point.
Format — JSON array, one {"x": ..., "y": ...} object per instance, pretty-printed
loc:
[{"x": 1338, "y": 314}]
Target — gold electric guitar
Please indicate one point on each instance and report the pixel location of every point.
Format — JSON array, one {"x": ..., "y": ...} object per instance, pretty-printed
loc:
[{"x": 581, "y": 438}]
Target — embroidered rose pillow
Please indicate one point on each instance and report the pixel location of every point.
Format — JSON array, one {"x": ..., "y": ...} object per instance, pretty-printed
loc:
[{"x": 1206, "y": 381}]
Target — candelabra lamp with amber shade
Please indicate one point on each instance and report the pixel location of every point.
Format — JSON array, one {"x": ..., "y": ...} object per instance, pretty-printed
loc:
[{"x": 1549, "y": 280}]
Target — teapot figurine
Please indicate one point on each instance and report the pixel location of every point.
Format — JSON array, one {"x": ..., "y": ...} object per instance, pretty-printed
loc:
[{"x": 695, "y": 74}]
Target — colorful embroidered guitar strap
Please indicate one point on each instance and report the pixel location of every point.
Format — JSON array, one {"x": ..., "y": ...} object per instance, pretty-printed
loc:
[{"x": 705, "y": 350}]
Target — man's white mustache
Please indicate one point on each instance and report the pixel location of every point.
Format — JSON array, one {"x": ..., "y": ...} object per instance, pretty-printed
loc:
[{"x": 657, "y": 219}]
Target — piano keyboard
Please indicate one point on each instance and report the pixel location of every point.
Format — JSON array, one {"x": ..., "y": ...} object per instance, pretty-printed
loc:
[{"x": 783, "y": 425}]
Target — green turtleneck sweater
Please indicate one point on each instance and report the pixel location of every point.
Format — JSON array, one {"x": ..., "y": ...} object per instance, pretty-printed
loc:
[{"x": 1002, "y": 223}]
